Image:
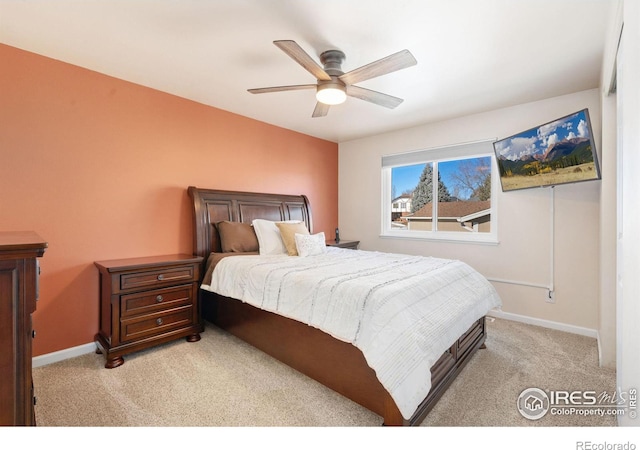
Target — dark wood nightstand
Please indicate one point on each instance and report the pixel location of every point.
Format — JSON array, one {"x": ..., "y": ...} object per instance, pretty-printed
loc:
[
  {"x": 342, "y": 243},
  {"x": 146, "y": 302}
]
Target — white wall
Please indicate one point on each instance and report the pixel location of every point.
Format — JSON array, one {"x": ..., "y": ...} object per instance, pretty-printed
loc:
[
  {"x": 628, "y": 269},
  {"x": 608, "y": 240},
  {"x": 608, "y": 202},
  {"x": 523, "y": 252}
]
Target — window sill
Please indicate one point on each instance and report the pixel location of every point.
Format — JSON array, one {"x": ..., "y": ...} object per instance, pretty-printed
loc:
[{"x": 455, "y": 237}]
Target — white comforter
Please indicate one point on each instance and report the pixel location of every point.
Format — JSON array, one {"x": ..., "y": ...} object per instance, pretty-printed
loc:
[{"x": 401, "y": 311}]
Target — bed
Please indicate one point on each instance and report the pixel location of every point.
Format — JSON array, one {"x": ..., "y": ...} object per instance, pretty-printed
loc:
[{"x": 329, "y": 356}]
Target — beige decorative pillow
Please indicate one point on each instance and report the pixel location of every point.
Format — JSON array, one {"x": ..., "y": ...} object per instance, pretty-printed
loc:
[
  {"x": 288, "y": 233},
  {"x": 237, "y": 237}
]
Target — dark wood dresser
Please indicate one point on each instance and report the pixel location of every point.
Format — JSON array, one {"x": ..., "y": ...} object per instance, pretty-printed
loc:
[
  {"x": 19, "y": 271},
  {"x": 145, "y": 302}
]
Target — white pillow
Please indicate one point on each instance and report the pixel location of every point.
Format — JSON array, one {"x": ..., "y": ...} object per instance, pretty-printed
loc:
[
  {"x": 310, "y": 244},
  {"x": 269, "y": 237}
]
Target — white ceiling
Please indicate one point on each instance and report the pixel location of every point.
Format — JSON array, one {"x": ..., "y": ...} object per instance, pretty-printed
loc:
[{"x": 473, "y": 55}]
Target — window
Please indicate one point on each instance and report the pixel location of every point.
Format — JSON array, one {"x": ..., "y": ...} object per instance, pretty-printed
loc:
[{"x": 459, "y": 177}]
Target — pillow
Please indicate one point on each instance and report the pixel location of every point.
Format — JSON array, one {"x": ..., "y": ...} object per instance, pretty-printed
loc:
[
  {"x": 310, "y": 244},
  {"x": 237, "y": 237},
  {"x": 269, "y": 239},
  {"x": 288, "y": 232}
]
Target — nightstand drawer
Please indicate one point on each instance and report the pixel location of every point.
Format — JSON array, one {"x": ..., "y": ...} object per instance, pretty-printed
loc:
[
  {"x": 158, "y": 277},
  {"x": 157, "y": 300},
  {"x": 151, "y": 324}
]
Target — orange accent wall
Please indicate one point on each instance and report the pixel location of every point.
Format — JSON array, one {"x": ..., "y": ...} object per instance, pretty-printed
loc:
[{"x": 99, "y": 168}]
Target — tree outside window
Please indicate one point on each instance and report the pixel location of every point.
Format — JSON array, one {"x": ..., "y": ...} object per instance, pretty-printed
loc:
[{"x": 463, "y": 191}]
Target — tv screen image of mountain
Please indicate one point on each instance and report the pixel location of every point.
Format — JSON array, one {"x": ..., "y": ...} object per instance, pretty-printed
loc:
[{"x": 558, "y": 152}]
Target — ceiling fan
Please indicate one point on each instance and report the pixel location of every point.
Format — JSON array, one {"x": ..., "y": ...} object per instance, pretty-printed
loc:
[{"x": 333, "y": 84}]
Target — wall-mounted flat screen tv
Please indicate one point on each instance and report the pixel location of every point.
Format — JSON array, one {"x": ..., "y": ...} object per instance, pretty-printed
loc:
[{"x": 559, "y": 152}]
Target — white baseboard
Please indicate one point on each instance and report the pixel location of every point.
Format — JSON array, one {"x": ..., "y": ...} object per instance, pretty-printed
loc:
[
  {"x": 545, "y": 323},
  {"x": 61, "y": 355}
]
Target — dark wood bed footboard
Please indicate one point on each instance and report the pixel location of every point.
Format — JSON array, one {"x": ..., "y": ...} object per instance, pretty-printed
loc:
[{"x": 334, "y": 363}]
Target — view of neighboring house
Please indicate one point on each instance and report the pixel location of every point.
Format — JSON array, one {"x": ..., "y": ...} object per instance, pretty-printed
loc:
[
  {"x": 472, "y": 216},
  {"x": 401, "y": 207}
]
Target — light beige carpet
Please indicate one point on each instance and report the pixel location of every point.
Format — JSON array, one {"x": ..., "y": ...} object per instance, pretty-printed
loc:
[{"x": 221, "y": 381}]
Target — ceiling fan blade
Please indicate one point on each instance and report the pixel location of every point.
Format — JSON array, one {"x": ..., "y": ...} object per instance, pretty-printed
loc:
[
  {"x": 320, "y": 110},
  {"x": 295, "y": 87},
  {"x": 391, "y": 63},
  {"x": 378, "y": 98},
  {"x": 296, "y": 52}
]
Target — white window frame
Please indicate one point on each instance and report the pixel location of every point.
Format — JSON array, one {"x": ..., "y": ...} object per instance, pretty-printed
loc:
[{"x": 477, "y": 149}]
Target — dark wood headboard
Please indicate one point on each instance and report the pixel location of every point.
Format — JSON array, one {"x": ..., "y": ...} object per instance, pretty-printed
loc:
[{"x": 211, "y": 206}]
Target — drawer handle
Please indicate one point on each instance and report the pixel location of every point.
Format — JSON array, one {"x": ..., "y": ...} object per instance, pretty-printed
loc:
[
  {"x": 160, "y": 277},
  {"x": 33, "y": 334},
  {"x": 159, "y": 321},
  {"x": 159, "y": 298}
]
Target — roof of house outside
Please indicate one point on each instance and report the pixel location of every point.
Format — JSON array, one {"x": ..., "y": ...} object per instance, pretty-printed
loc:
[
  {"x": 402, "y": 197},
  {"x": 452, "y": 209}
]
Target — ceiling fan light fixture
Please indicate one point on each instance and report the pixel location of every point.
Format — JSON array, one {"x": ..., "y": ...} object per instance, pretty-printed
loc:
[
  {"x": 333, "y": 85},
  {"x": 331, "y": 94}
]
